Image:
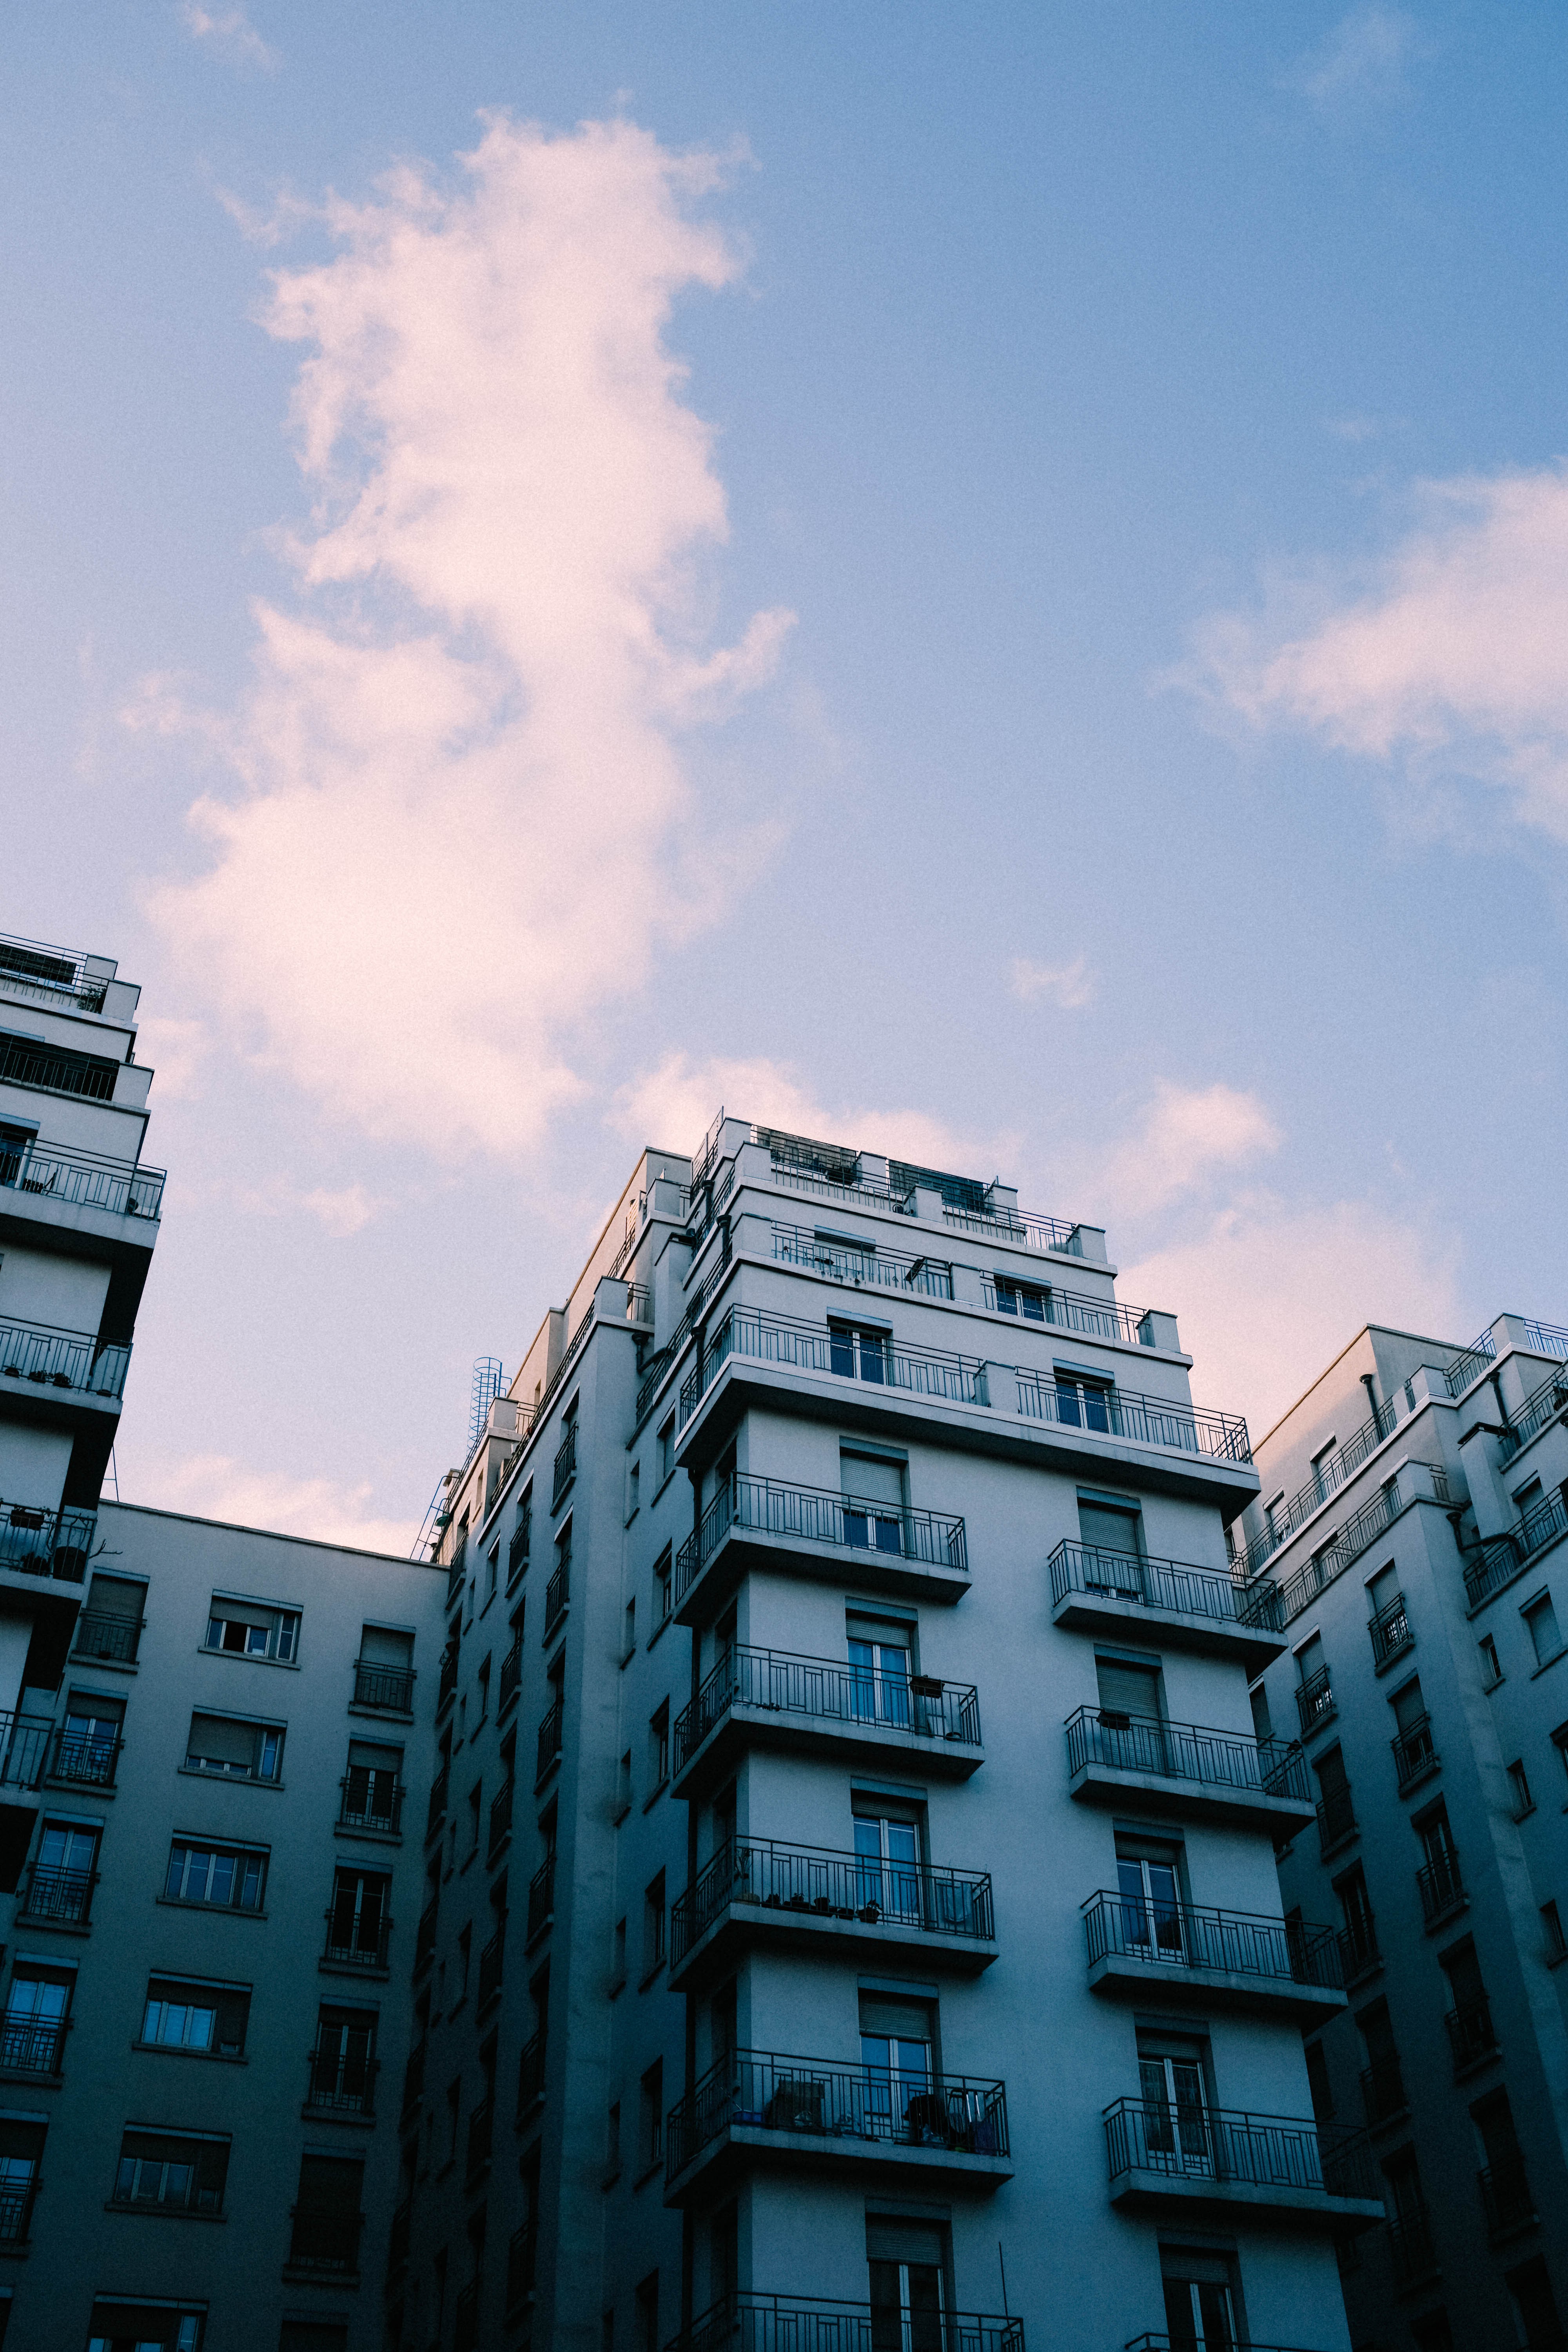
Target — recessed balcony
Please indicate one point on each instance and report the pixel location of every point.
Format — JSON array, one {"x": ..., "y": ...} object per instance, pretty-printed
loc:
[
  {"x": 1228, "y": 1959},
  {"x": 1188, "y": 1770},
  {"x": 750, "y": 2322},
  {"x": 841, "y": 1905},
  {"x": 762, "y": 1522},
  {"x": 40, "y": 1362},
  {"x": 57, "y": 1186},
  {"x": 1201, "y": 1609},
  {"x": 1202, "y": 2159},
  {"x": 770, "y": 1698},
  {"x": 38, "y": 1541},
  {"x": 758, "y": 2107}
]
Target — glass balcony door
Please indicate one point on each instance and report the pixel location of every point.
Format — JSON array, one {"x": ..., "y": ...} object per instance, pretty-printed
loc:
[
  {"x": 898, "y": 2085},
  {"x": 1175, "y": 2117},
  {"x": 880, "y": 1683},
  {"x": 1151, "y": 1909},
  {"x": 1199, "y": 2316},
  {"x": 888, "y": 1866},
  {"x": 906, "y": 2307}
]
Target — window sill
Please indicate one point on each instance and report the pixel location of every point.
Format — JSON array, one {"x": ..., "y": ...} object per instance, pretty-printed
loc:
[
  {"x": 647, "y": 2172},
  {"x": 203, "y": 2057},
  {"x": 627, "y": 1655},
  {"x": 663, "y": 1625},
  {"x": 369, "y": 1837},
  {"x": 217, "y": 1910},
  {"x": 557, "y": 1500},
  {"x": 237, "y": 1658},
  {"x": 78, "y": 1927},
  {"x": 347, "y": 1969},
  {"x": 645, "y": 1981},
  {"x": 1521, "y": 1812},
  {"x": 607, "y": 2181},
  {"x": 624, "y": 1807},
  {"x": 381, "y": 1713},
  {"x": 34, "y": 2075},
  {"x": 490, "y": 1599},
  {"x": 1547, "y": 1663},
  {"x": 317, "y": 2275},
  {"x": 157, "y": 2212},
  {"x": 311, "y": 2115},
  {"x": 458, "y": 2007},
  {"x": 85, "y": 1659},
  {"x": 1556, "y": 1959},
  {"x": 654, "y": 1794},
  {"x": 69, "y": 1788},
  {"x": 230, "y": 1780}
]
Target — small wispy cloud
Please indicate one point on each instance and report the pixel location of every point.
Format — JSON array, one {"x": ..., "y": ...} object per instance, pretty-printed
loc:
[
  {"x": 1187, "y": 1136},
  {"x": 229, "y": 33},
  {"x": 1070, "y": 986},
  {"x": 1365, "y": 60},
  {"x": 342, "y": 1213},
  {"x": 324, "y": 1510},
  {"x": 671, "y": 1105}
]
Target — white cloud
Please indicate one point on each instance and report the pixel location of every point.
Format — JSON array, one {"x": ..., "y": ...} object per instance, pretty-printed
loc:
[
  {"x": 466, "y": 818},
  {"x": 1451, "y": 656},
  {"x": 230, "y": 33},
  {"x": 672, "y": 1107},
  {"x": 1363, "y": 59},
  {"x": 216, "y": 1487},
  {"x": 174, "y": 1049},
  {"x": 1067, "y": 985},
  {"x": 1268, "y": 1294},
  {"x": 1189, "y": 1135},
  {"x": 343, "y": 1213}
]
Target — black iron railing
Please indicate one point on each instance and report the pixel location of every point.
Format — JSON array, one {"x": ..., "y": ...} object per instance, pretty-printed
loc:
[
  {"x": 814, "y": 1515},
  {"x": 1506, "y": 2199},
  {"x": 1327, "y": 1479},
  {"x": 1504, "y": 1555},
  {"x": 822, "y": 1691},
  {"x": 1298, "y": 1591},
  {"x": 25, "y": 1750},
  {"x": 1442, "y": 1887},
  {"x": 1191, "y": 1934},
  {"x": 1140, "y": 1420},
  {"x": 1382, "y": 2090},
  {"x": 439, "y": 1789},
  {"x": 38, "y": 1541},
  {"x": 750, "y": 2322},
  {"x": 565, "y": 1464},
  {"x": 762, "y": 1874},
  {"x": 388, "y": 1687},
  {"x": 866, "y": 1264},
  {"x": 848, "y": 1354},
  {"x": 767, "y": 2090},
  {"x": 1411, "y": 2251},
  {"x": 1389, "y": 1631},
  {"x": 510, "y": 1673},
  {"x": 398, "y": 2235},
  {"x": 372, "y": 1799},
  {"x": 446, "y": 1681},
  {"x": 1413, "y": 1753},
  {"x": 1184, "y": 1752},
  {"x": 491, "y": 1961},
  {"x": 1539, "y": 1409},
  {"x": 1336, "y": 1817},
  {"x": 51, "y": 1359},
  {"x": 1358, "y": 1947},
  {"x": 341, "y": 2081},
  {"x": 518, "y": 1547},
  {"x": 101, "y": 1635},
  {"x": 414, "y": 2078},
  {"x": 549, "y": 1734},
  {"x": 1315, "y": 1700},
  {"x": 456, "y": 1567},
  {"x": 557, "y": 1594},
  {"x": 80, "y": 1179},
  {"x": 542, "y": 1897},
  {"x": 500, "y": 1816},
  {"x": 88, "y": 1758},
  {"x": 29, "y": 2048},
  {"x": 1541, "y": 1338},
  {"x": 1228, "y": 2144},
  {"x": 60, "y": 1895},
  {"x": 424, "y": 1935},
  {"x": 1173, "y": 1584},
  {"x": 45, "y": 974},
  {"x": 1471, "y": 2033},
  {"x": 359, "y": 1945},
  {"x": 324, "y": 2239},
  {"x": 27, "y": 1062}
]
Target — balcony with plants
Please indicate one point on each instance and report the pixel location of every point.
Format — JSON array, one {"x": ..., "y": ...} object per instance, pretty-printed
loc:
[
  {"x": 753, "y": 2322},
  {"x": 1187, "y": 1770},
  {"x": 820, "y": 1899},
  {"x": 1162, "y": 2155},
  {"x": 1236, "y": 1960},
  {"x": 1207, "y": 1609},
  {"x": 773, "y": 1699},
  {"x": 754, "y": 1522}
]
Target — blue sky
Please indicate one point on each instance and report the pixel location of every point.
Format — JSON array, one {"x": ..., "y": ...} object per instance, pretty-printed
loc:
[{"x": 988, "y": 580}]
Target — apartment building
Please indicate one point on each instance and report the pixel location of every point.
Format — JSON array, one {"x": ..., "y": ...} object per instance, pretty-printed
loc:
[
  {"x": 850, "y": 1920},
  {"x": 1412, "y": 1517}
]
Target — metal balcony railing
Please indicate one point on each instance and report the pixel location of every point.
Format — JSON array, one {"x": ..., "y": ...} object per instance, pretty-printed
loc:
[
  {"x": 100, "y": 1635},
  {"x": 874, "y": 1360},
  {"x": 17, "y": 2214},
  {"x": 549, "y": 1734},
  {"x": 81, "y": 1179},
  {"x": 65, "y": 1895},
  {"x": 867, "y": 1266},
  {"x": 1173, "y": 1584},
  {"x": 1471, "y": 2033},
  {"x": 1506, "y": 2199},
  {"x": 1228, "y": 2144},
  {"x": 500, "y": 1818},
  {"x": 1413, "y": 1753},
  {"x": 49, "y": 975},
  {"x": 1327, "y": 1479},
  {"x": 23, "y": 1749},
  {"x": 823, "y": 1691},
  {"x": 1184, "y": 1752},
  {"x": 1358, "y": 1947},
  {"x": 90, "y": 1760},
  {"x": 1336, "y": 1819},
  {"x": 372, "y": 1799},
  {"x": 424, "y": 1935},
  {"x": 1542, "y": 1339},
  {"x": 510, "y": 1673},
  {"x": 557, "y": 1594},
  {"x": 541, "y": 1898},
  {"x": 480, "y": 2136},
  {"x": 1414, "y": 1482},
  {"x": 1442, "y": 1887},
  {"x": 814, "y": 1515},
  {"x": 518, "y": 1546},
  {"x": 28, "y": 2048},
  {"x": 325, "y": 2240},
  {"x": 388, "y": 1687},
  {"x": 1140, "y": 1420},
  {"x": 356, "y": 1945},
  {"x": 448, "y": 1680},
  {"x": 413, "y": 2076},
  {"x": 341, "y": 2081},
  {"x": 38, "y": 1541},
  {"x": 749, "y": 2322},
  {"x": 1539, "y": 1409},
  {"x": 1190, "y": 1934},
  {"x": 456, "y": 1569},
  {"x": 491, "y": 1961},
  {"x": 54, "y": 1071},
  {"x": 1315, "y": 1700},
  {"x": 1411, "y": 2251},
  {"x": 1503, "y": 1555},
  {"x": 521, "y": 2261},
  {"x": 1072, "y": 1310},
  {"x": 1389, "y": 1631},
  {"x": 765, "y": 1875},
  {"x": 1382, "y": 2090},
  {"x": 52, "y": 1358},
  {"x": 771, "y": 2091},
  {"x": 439, "y": 1789},
  {"x": 565, "y": 1464},
  {"x": 1156, "y": 2343},
  {"x": 530, "y": 2075}
]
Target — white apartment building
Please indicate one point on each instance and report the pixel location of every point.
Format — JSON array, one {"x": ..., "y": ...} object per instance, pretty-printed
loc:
[
  {"x": 1412, "y": 1516},
  {"x": 851, "y": 1922}
]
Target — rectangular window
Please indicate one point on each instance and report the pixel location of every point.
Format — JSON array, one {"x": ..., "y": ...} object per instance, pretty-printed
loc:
[
  {"x": 1519, "y": 1798},
  {"x": 650, "y": 2116},
  {"x": 60, "y": 1884},
  {"x": 109, "y": 1627},
  {"x": 327, "y": 2218},
  {"x": 623, "y": 1785},
  {"x": 158, "y": 2327},
  {"x": 87, "y": 1749},
  {"x": 667, "y": 1450},
  {"x": 38, "y": 2010},
  {"x": 357, "y": 1924},
  {"x": 1492, "y": 1668},
  {"x": 229, "y": 1744},
  {"x": 629, "y": 1636},
  {"x": 229, "y": 1877},
  {"x": 648, "y": 2314},
  {"x": 1021, "y": 1298},
  {"x": 1556, "y": 1940},
  {"x": 613, "y": 2142},
  {"x": 245, "y": 1629},
  {"x": 633, "y": 1491},
  {"x": 372, "y": 1788},
  {"x": 663, "y": 1586},
  {"x": 172, "y": 2171},
  {"x": 21, "y": 2146},
  {"x": 343, "y": 2064},
  {"x": 184, "y": 2013},
  {"x": 1541, "y": 1619},
  {"x": 618, "y": 1956},
  {"x": 658, "y": 1747},
  {"x": 655, "y": 1915}
]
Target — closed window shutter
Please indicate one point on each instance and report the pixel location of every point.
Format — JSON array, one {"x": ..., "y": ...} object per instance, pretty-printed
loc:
[
  {"x": 224, "y": 1740},
  {"x": 1104, "y": 1530},
  {"x": 1127, "y": 1689}
]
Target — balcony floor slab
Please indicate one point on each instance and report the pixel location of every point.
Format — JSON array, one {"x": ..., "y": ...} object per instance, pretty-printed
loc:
[
  {"x": 743, "y": 1549},
  {"x": 1117, "y": 1977},
  {"x": 823, "y": 1935},
  {"x": 1193, "y": 1800},
  {"x": 1251, "y": 1646},
  {"x": 1201, "y": 2195},
  {"x": 783, "y": 1731},
  {"x": 947, "y": 2171}
]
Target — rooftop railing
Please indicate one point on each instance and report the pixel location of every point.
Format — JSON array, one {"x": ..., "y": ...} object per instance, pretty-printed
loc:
[
  {"x": 1171, "y": 1584},
  {"x": 1190, "y": 1934},
  {"x": 848, "y": 1354},
  {"x": 1414, "y": 1482},
  {"x": 750, "y": 2322},
  {"x": 861, "y": 1264},
  {"x": 1541, "y": 1338},
  {"x": 767, "y": 1874},
  {"x": 36, "y": 1541},
  {"x": 1141, "y": 1420},
  {"x": 1057, "y": 1234},
  {"x": 1230, "y": 2144},
  {"x": 1539, "y": 1409},
  {"x": 814, "y": 1515},
  {"x": 80, "y": 1179},
  {"x": 1327, "y": 1477},
  {"x": 1184, "y": 1752},
  {"x": 1072, "y": 1310},
  {"x": 1502, "y": 1556},
  {"x": 767, "y": 2090},
  {"x": 49, "y": 975},
  {"x": 52, "y": 1358},
  {"x": 823, "y": 1691}
]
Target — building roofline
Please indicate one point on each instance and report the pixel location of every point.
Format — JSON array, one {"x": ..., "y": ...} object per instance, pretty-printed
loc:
[
  {"x": 271, "y": 1534},
  {"x": 1421, "y": 1339}
]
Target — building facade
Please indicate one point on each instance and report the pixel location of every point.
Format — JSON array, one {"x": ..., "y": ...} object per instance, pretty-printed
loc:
[
  {"x": 1410, "y": 1515},
  {"x": 850, "y": 1915}
]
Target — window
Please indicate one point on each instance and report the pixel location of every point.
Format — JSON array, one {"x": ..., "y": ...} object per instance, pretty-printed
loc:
[
  {"x": 860, "y": 1351},
  {"x": 233, "y": 1745},
  {"x": 1359, "y": 1939},
  {"x": 60, "y": 1884},
  {"x": 1113, "y": 1534},
  {"x": 465, "y": 1960},
  {"x": 1314, "y": 1691},
  {"x": 879, "y": 1664},
  {"x": 1128, "y": 1692},
  {"x": 188, "y": 2013},
  {"x": 518, "y": 1549},
  {"x": 109, "y": 1627},
  {"x": 655, "y": 1915},
  {"x": 1147, "y": 1882},
  {"x": 887, "y": 1862},
  {"x": 1336, "y": 1809},
  {"x": 872, "y": 1486},
  {"x": 633, "y": 1491},
  {"x": 1082, "y": 1401},
  {"x": 1175, "y": 2119},
  {"x": 180, "y": 2172},
  {"x": 1491, "y": 1668},
  {"x": 624, "y": 1786},
  {"x": 908, "y": 2263},
  {"x": 1382, "y": 2081},
  {"x": 898, "y": 2039},
  {"x": 659, "y": 1747},
  {"x": 86, "y": 1749},
  {"x": 667, "y": 1450},
  {"x": 245, "y": 1629},
  {"x": 492, "y": 1570},
  {"x": 1520, "y": 1799},
  {"x": 629, "y": 1633},
  {"x": 231, "y": 1877},
  {"x": 21, "y": 2146},
  {"x": 650, "y": 2116},
  {"x": 327, "y": 2218},
  {"x": 357, "y": 1924},
  {"x": 37, "y": 2008},
  {"x": 372, "y": 1788},
  {"x": 1199, "y": 2291},
  {"x": 143, "y": 2327},
  {"x": 1541, "y": 1620},
  {"x": 342, "y": 2063},
  {"x": 1556, "y": 1941},
  {"x": 663, "y": 1584},
  {"x": 648, "y": 2314},
  {"x": 1413, "y": 1748},
  {"x": 618, "y": 1956},
  {"x": 1318, "y": 2083}
]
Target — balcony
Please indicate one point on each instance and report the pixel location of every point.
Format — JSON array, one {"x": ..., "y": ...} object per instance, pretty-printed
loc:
[
  {"x": 1188, "y": 1770},
  {"x": 16, "y": 2213},
  {"x": 839, "y": 1904},
  {"x": 491, "y": 1960},
  {"x": 565, "y": 1465},
  {"x": 753, "y": 1522},
  {"x": 770, "y": 1698},
  {"x": 1412, "y": 2255},
  {"x": 531, "y": 2077},
  {"x": 54, "y": 1177},
  {"x": 370, "y": 1798},
  {"x": 57, "y": 977},
  {"x": 933, "y": 1373},
  {"x": 1138, "y": 1419},
  {"x": 749, "y": 2322},
  {"x": 550, "y": 1737},
  {"x": 1235, "y": 1959},
  {"x": 510, "y": 1677},
  {"x": 868, "y": 1265},
  {"x": 1472, "y": 2037},
  {"x": 1389, "y": 1633},
  {"x": 1442, "y": 1889},
  {"x": 1327, "y": 1479},
  {"x": 87, "y": 1762},
  {"x": 1358, "y": 1948},
  {"x": 1539, "y": 1410},
  {"x": 501, "y": 1819},
  {"x": 440, "y": 1788},
  {"x": 756, "y": 2106},
  {"x": 1201, "y": 2158},
  {"x": 55, "y": 1070},
  {"x": 388, "y": 1687},
  {"x": 1506, "y": 2199},
  {"x": 557, "y": 1595},
  {"x": 1414, "y": 1754},
  {"x": 25, "y": 1750},
  {"x": 38, "y": 1541},
  {"x": 39, "y": 1356},
  {"x": 479, "y": 2136},
  {"x": 106, "y": 1639},
  {"x": 1416, "y": 1481},
  {"x": 1382, "y": 2091},
  {"x": 1315, "y": 1702},
  {"x": 457, "y": 1568},
  {"x": 517, "y": 1547},
  {"x": 1072, "y": 1310},
  {"x": 323, "y": 2242},
  {"x": 521, "y": 2263},
  {"x": 1503, "y": 1556},
  {"x": 1203, "y": 1609},
  {"x": 541, "y": 1898},
  {"x": 447, "y": 1683},
  {"x": 343, "y": 2083},
  {"x": 62, "y": 1897},
  {"x": 26, "y": 2048},
  {"x": 1336, "y": 1820},
  {"x": 358, "y": 1944}
]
